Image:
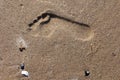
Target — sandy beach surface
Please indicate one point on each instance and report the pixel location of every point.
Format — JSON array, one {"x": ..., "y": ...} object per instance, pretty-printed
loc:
[{"x": 60, "y": 39}]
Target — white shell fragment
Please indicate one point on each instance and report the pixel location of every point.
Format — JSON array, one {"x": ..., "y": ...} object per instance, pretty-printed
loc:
[
  {"x": 25, "y": 73},
  {"x": 21, "y": 44}
]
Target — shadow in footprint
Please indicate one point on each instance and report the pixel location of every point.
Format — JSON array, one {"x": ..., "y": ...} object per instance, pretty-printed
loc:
[{"x": 55, "y": 16}]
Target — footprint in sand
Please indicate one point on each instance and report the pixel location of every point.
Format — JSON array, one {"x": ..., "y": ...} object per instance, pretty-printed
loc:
[{"x": 49, "y": 24}]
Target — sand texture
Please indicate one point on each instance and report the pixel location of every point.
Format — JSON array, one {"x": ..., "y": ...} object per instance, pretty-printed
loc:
[{"x": 60, "y": 39}]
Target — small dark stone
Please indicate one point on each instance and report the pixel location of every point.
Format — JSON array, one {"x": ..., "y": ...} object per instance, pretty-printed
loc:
[
  {"x": 87, "y": 73},
  {"x": 21, "y": 49},
  {"x": 22, "y": 66},
  {"x": 113, "y": 54},
  {"x": 21, "y": 4}
]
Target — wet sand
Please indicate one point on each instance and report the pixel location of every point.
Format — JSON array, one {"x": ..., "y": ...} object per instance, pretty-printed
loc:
[{"x": 60, "y": 39}]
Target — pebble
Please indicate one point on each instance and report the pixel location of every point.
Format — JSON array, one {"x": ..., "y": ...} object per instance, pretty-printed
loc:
[
  {"x": 22, "y": 66},
  {"x": 25, "y": 73},
  {"x": 87, "y": 73}
]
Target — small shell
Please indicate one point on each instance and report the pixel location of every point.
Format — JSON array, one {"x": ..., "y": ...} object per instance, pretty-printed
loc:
[{"x": 25, "y": 73}]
